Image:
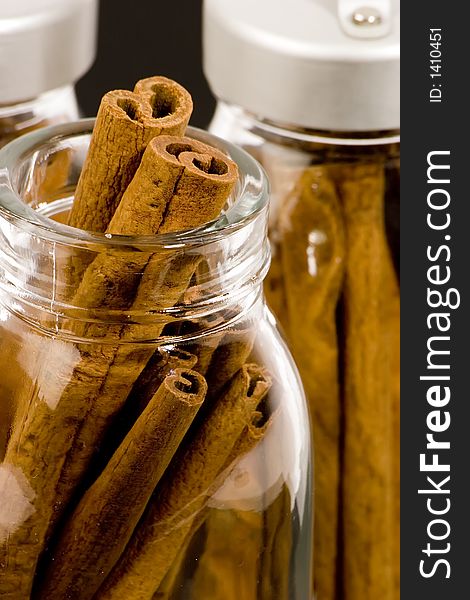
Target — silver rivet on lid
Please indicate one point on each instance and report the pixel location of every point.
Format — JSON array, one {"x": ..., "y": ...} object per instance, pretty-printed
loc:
[{"x": 366, "y": 16}]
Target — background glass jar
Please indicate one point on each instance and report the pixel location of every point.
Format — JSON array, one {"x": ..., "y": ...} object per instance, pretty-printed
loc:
[
  {"x": 154, "y": 450},
  {"x": 56, "y": 106},
  {"x": 45, "y": 46},
  {"x": 334, "y": 287},
  {"x": 312, "y": 90}
]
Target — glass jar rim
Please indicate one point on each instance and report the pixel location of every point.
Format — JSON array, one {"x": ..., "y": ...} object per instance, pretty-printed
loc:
[
  {"x": 31, "y": 105},
  {"x": 291, "y": 132},
  {"x": 252, "y": 196}
]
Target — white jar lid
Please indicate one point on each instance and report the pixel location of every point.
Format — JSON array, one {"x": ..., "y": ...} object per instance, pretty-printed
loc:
[
  {"x": 317, "y": 64},
  {"x": 44, "y": 44}
]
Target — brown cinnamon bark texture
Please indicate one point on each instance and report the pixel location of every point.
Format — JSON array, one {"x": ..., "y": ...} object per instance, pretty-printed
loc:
[
  {"x": 179, "y": 194},
  {"x": 229, "y": 569},
  {"x": 178, "y": 186},
  {"x": 97, "y": 532},
  {"x": 66, "y": 418},
  {"x": 312, "y": 233},
  {"x": 370, "y": 389},
  {"x": 230, "y": 355},
  {"x": 234, "y": 537},
  {"x": 163, "y": 362},
  {"x": 204, "y": 348},
  {"x": 125, "y": 123},
  {"x": 9, "y": 348},
  {"x": 252, "y": 435},
  {"x": 184, "y": 490},
  {"x": 182, "y": 566},
  {"x": 207, "y": 572}
]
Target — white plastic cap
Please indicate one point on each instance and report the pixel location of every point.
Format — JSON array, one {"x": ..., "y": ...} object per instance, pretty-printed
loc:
[
  {"x": 44, "y": 44},
  {"x": 317, "y": 64}
]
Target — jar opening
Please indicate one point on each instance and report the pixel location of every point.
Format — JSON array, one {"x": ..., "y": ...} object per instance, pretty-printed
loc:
[
  {"x": 44, "y": 263},
  {"x": 24, "y": 162}
]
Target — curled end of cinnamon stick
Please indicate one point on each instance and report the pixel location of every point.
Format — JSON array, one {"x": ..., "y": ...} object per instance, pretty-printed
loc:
[
  {"x": 180, "y": 184},
  {"x": 189, "y": 386},
  {"x": 170, "y": 102},
  {"x": 125, "y": 123},
  {"x": 179, "y": 358},
  {"x": 258, "y": 382},
  {"x": 204, "y": 161},
  {"x": 160, "y": 105}
]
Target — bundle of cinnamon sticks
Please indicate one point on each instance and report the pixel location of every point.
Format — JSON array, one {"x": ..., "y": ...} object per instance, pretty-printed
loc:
[
  {"x": 115, "y": 446},
  {"x": 334, "y": 259}
]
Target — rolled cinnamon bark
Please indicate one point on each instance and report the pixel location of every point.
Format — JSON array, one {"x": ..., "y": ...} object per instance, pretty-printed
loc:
[
  {"x": 67, "y": 416},
  {"x": 229, "y": 569},
  {"x": 370, "y": 389},
  {"x": 313, "y": 254},
  {"x": 190, "y": 197},
  {"x": 230, "y": 355},
  {"x": 97, "y": 532},
  {"x": 181, "y": 183},
  {"x": 234, "y": 537},
  {"x": 251, "y": 436},
  {"x": 207, "y": 569},
  {"x": 125, "y": 123},
  {"x": 204, "y": 347},
  {"x": 178, "y": 185},
  {"x": 163, "y": 362},
  {"x": 184, "y": 490},
  {"x": 391, "y": 344}
]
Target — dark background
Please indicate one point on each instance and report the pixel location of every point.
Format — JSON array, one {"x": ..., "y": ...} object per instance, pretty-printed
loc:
[{"x": 145, "y": 38}]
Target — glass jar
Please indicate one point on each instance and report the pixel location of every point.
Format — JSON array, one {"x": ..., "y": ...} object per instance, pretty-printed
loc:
[
  {"x": 314, "y": 97},
  {"x": 147, "y": 450},
  {"x": 45, "y": 46},
  {"x": 334, "y": 287},
  {"x": 50, "y": 108}
]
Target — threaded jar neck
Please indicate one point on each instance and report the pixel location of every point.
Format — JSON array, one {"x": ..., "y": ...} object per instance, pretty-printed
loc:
[
  {"x": 229, "y": 117},
  {"x": 224, "y": 261}
]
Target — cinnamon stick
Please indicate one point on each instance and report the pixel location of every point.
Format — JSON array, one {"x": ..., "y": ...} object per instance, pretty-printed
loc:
[
  {"x": 391, "y": 344},
  {"x": 251, "y": 436},
  {"x": 229, "y": 568},
  {"x": 163, "y": 362},
  {"x": 370, "y": 389},
  {"x": 184, "y": 490},
  {"x": 163, "y": 204},
  {"x": 181, "y": 183},
  {"x": 230, "y": 355},
  {"x": 204, "y": 347},
  {"x": 174, "y": 581},
  {"x": 100, "y": 527},
  {"x": 230, "y": 565},
  {"x": 125, "y": 124},
  {"x": 85, "y": 388},
  {"x": 313, "y": 255},
  {"x": 10, "y": 352},
  {"x": 253, "y": 433},
  {"x": 178, "y": 185}
]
